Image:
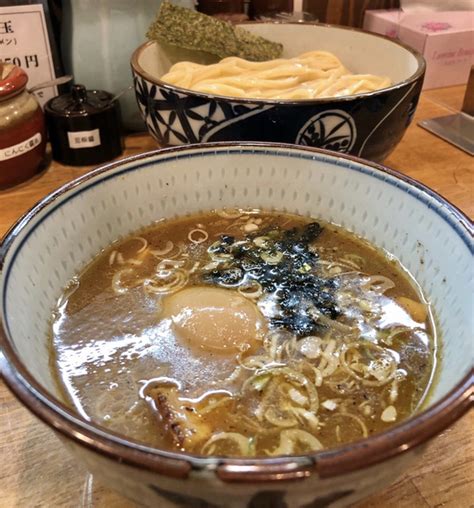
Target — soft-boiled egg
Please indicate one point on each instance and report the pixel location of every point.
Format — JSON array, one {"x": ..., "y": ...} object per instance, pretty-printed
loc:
[{"x": 214, "y": 319}]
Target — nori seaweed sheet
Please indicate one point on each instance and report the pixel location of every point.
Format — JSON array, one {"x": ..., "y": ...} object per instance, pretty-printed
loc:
[
  {"x": 193, "y": 30},
  {"x": 300, "y": 293}
]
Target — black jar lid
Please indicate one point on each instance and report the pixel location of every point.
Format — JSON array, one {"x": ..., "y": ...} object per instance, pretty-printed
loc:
[{"x": 80, "y": 102}]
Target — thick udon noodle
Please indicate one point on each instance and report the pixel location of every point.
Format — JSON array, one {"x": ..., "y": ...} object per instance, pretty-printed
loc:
[{"x": 311, "y": 75}]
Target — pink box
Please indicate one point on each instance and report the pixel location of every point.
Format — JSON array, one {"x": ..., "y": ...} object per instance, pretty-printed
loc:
[{"x": 445, "y": 39}]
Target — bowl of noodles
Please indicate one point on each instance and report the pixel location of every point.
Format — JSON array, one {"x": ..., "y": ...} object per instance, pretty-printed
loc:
[
  {"x": 335, "y": 88},
  {"x": 240, "y": 324}
]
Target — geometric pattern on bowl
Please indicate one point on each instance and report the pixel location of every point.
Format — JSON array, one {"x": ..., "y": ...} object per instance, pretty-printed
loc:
[{"x": 368, "y": 127}]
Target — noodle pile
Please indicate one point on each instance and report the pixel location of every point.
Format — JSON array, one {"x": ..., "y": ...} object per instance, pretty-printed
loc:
[{"x": 312, "y": 75}]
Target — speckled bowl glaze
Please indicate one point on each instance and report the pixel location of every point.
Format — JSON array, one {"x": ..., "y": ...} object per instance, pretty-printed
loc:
[
  {"x": 366, "y": 125},
  {"x": 51, "y": 243}
]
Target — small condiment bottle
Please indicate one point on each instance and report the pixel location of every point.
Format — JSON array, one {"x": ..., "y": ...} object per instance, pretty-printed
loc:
[
  {"x": 84, "y": 127},
  {"x": 22, "y": 128}
]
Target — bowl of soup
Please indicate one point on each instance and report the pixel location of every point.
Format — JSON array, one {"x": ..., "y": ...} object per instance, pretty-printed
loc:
[
  {"x": 259, "y": 323},
  {"x": 334, "y": 88}
]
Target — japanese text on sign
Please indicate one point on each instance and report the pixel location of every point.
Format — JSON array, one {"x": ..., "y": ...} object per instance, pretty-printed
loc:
[{"x": 24, "y": 42}]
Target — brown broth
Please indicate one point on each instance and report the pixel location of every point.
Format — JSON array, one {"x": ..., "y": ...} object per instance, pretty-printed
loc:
[{"x": 115, "y": 356}]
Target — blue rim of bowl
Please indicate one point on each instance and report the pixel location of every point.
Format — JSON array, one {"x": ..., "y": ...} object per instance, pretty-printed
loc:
[
  {"x": 419, "y": 73},
  {"x": 327, "y": 463}
]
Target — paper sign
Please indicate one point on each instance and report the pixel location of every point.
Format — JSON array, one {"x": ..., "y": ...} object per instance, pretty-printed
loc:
[{"x": 24, "y": 42}]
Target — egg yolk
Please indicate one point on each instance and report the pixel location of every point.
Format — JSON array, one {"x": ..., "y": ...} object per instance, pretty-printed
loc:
[{"x": 214, "y": 319}]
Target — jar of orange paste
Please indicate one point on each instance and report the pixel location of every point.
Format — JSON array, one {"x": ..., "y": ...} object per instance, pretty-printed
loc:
[{"x": 22, "y": 128}]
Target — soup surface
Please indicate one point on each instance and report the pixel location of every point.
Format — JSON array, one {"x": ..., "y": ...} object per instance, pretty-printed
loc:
[{"x": 245, "y": 333}]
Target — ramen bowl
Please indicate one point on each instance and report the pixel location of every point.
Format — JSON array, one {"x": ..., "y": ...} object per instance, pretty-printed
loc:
[
  {"x": 50, "y": 244},
  {"x": 367, "y": 125}
]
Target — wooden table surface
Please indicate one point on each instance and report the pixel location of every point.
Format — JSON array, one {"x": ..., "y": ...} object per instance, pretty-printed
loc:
[{"x": 35, "y": 470}]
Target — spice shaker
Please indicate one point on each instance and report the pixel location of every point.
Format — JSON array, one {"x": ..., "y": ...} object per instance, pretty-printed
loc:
[
  {"x": 22, "y": 129},
  {"x": 84, "y": 126}
]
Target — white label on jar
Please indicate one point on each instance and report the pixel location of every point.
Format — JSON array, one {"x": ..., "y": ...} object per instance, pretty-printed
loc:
[
  {"x": 21, "y": 148},
  {"x": 84, "y": 139}
]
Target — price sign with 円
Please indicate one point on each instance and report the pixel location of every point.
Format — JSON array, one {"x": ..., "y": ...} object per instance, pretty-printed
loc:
[{"x": 24, "y": 41}]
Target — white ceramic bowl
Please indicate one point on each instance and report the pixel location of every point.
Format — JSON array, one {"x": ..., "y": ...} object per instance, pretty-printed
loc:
[{"x": 61, "y": 234}]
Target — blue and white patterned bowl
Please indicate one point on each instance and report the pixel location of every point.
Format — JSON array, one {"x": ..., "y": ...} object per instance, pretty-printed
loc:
[
  {"x": 53, "y": 241},
  {"x": 367, "y": 125}
]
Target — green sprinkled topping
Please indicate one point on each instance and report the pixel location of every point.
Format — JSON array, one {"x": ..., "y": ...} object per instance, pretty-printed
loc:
[{"x": 192, "y": 30}]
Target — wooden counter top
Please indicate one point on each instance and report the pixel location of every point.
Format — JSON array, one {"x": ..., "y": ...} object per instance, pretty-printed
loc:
[{"x": 36, "y": 471}]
